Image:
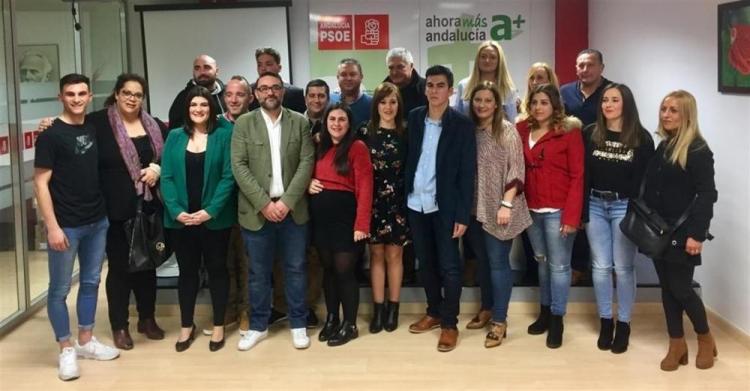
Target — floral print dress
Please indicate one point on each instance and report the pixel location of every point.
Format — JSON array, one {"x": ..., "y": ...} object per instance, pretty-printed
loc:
[{"x": 388, "y": 155}]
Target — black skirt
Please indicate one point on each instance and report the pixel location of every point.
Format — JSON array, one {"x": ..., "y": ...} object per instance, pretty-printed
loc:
[{"x": 332, "y": 215}]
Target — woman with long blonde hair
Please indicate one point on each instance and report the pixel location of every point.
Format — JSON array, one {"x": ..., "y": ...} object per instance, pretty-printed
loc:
[
  {"x": 680, "y": 179},
  {"x": 489, "y": 65},
  {"x": 539, "y": 73}
]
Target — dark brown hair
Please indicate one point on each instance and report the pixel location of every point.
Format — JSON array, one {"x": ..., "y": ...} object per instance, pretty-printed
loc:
[
  {"x": 341, "y": 160},
  {"x": 199, "y": 91},
  {"x": 120, "y": 84},
  {"x": 632, "y": 129},
  {"x": 381, "y": 92}
]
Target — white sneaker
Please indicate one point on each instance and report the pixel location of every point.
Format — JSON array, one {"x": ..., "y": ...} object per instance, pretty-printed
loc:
[
  {"x": 68, "y": 365},
  {"x": 243, "y": 332},
  {"x": 300, "y": 340},
  {"x": 96, "y": 350},
  {"x": 251, "y": 339}
]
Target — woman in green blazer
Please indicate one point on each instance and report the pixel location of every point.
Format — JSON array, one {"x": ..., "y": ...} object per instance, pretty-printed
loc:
[{"x": 200, "y": 208}]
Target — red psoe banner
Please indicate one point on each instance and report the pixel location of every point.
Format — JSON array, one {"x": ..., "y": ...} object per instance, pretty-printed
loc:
[
  {"x": 371, "y": 32},
  {"x": 335, "y": 32}
]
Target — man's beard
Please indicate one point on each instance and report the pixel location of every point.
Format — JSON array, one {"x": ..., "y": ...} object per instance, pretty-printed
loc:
[
  {"x": 208, "y": 83},
  {"x": 268, "y": 106}
]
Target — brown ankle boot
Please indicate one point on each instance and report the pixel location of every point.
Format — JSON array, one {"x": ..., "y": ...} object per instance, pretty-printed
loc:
[
  {"x": 706, "y": 351},
  {"x": 676, "y": 356}
]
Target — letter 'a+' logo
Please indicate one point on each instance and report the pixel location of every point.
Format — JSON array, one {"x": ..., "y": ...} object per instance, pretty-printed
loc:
[{"x": 367, "y": 32}]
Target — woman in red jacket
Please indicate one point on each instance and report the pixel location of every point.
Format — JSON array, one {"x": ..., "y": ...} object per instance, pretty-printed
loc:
[
  {"x": 340, "y": 208},
  {"x": 553, "y": 151}
]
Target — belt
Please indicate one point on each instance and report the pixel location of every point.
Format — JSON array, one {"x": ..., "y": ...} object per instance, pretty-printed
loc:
[{"x": 607, "y": 195}]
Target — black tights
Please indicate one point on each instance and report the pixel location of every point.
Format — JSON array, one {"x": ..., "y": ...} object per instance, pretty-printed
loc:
[
  {"x": 677, "y": 295},
  {"x": 340, "y": 283}
]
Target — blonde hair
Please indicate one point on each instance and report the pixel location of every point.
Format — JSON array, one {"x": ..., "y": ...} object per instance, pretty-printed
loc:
[
  {"x": 678, "y": 142},
  {"x": 551, "y": 76},
  {"x": 502, "y": 78}
]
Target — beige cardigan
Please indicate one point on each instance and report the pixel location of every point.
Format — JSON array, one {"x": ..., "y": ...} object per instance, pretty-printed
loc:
[{"x": 499, "y": 167}]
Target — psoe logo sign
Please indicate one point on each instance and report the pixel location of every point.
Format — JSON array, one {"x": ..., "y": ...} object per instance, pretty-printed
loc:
[{"x": 347, "y": 32}]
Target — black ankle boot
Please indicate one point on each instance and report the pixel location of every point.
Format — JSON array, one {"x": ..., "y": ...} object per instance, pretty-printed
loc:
[
  {"x": 622, "y": 337},
  {"x": 541, "y": 324},
  {"x": 555, "y": 333},
  {"x": 329, "y": 327},
  {"x": 391, "y": 316},
  {"x": 347, "y": 332},
  {"x": 378, "y": 313},
  {"x": 606, "y": 329}
]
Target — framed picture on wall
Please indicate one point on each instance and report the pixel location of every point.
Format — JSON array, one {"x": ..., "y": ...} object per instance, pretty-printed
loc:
[
  {"x": 734, "y": 47},
  {"x": 39, "y": 63}
]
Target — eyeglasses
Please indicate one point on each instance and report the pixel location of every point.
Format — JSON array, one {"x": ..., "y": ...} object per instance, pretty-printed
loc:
[
  {"x": 135, "y": 95},
  {"x": 267, "y": 89}
]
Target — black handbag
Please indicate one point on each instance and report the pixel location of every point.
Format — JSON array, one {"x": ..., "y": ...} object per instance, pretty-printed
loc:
[
  {"x": 147, "y": 244},
  {"x": 644, "y": 227}
]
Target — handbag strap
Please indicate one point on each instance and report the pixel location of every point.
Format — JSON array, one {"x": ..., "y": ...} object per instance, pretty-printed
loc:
[
  {"x": 139, "y": 204},
  {"x": 684, "y": 214}
]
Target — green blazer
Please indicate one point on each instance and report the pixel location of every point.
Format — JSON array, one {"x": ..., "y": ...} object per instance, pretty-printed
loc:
[
  {"x": 219, "y": 198},
  {"x": 251, "y": 164}
]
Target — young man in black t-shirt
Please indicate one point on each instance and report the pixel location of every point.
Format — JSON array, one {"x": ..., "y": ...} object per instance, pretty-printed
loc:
[{"x": 66, "y": 182}]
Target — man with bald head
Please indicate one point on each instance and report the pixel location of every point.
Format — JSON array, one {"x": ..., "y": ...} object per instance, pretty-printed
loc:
[{"x": 204, "y": 74}]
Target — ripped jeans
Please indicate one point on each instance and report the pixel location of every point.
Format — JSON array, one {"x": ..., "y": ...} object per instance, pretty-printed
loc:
[{"x": 552, "y": 252}]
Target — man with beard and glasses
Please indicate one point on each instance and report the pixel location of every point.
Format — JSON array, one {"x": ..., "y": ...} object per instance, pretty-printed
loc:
[
  {"x": 272, "y": 162},
  {"x": 204, "y": 74}
]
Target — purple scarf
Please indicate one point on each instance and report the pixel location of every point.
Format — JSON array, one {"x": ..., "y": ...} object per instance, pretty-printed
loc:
[{"x": 127, "y": 148}]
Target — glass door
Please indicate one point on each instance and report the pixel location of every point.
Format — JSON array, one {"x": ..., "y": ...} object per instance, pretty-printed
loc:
[
  {"x": 46, "y": 49},
  {"x": 9, "y": 271}
]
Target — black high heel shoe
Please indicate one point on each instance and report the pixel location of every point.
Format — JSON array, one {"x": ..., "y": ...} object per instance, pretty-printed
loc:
[
  {"x": 378, "y": 313},
  {"x": 214, "y": 346},
  {"x": 182, "y": 346},
  {"x": 391, "y": 316}
]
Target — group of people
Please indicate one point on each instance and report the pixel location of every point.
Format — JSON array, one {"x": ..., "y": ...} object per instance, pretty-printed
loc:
[{"x": 266, "y": 185}]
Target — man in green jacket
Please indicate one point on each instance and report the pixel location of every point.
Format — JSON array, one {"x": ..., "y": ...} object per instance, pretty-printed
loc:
[{"x": 272, "y": 161}]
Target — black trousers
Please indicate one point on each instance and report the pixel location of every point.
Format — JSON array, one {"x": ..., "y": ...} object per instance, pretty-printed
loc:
[
  {"x": 120, "y": 282},
  {"x": 677, "y": 295},
  {"x": 440, "y": 265},
  {"x": 196, "y": 246}
]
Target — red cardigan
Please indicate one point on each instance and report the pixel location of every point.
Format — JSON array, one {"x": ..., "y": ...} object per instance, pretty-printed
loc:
[
  {"x": 359, "y": 180},
  {"x": 554, "y": 172}
]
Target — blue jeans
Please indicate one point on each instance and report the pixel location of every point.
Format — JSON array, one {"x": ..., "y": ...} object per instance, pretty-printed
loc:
[
  {"x": 610, "y": 248},
  {"x": 290, "y": 239},
  {"x": 495, "y": 275},
  {"x": 88, "y": 242},
  {"x": 552, "y": 252}
]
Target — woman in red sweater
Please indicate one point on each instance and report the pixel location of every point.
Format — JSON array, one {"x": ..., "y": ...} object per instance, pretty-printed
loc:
[
  {"x": 553, "y": 151},
  {"x": 340, "y": 207}
]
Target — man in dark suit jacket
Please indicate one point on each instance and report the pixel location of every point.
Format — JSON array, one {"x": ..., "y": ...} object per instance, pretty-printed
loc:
[
  {"x": 269, "y": 60},
  {"x": 440, "y": 170},
  {"x": 205, "y": 73}
]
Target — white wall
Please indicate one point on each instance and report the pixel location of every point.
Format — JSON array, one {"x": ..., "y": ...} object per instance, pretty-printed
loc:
[
  {"x": 657, "y": 47},
  {"x": 542, "y": 46}
]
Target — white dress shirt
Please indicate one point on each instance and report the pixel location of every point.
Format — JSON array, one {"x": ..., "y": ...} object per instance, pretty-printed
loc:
[{"x": 274, "y": 138}]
